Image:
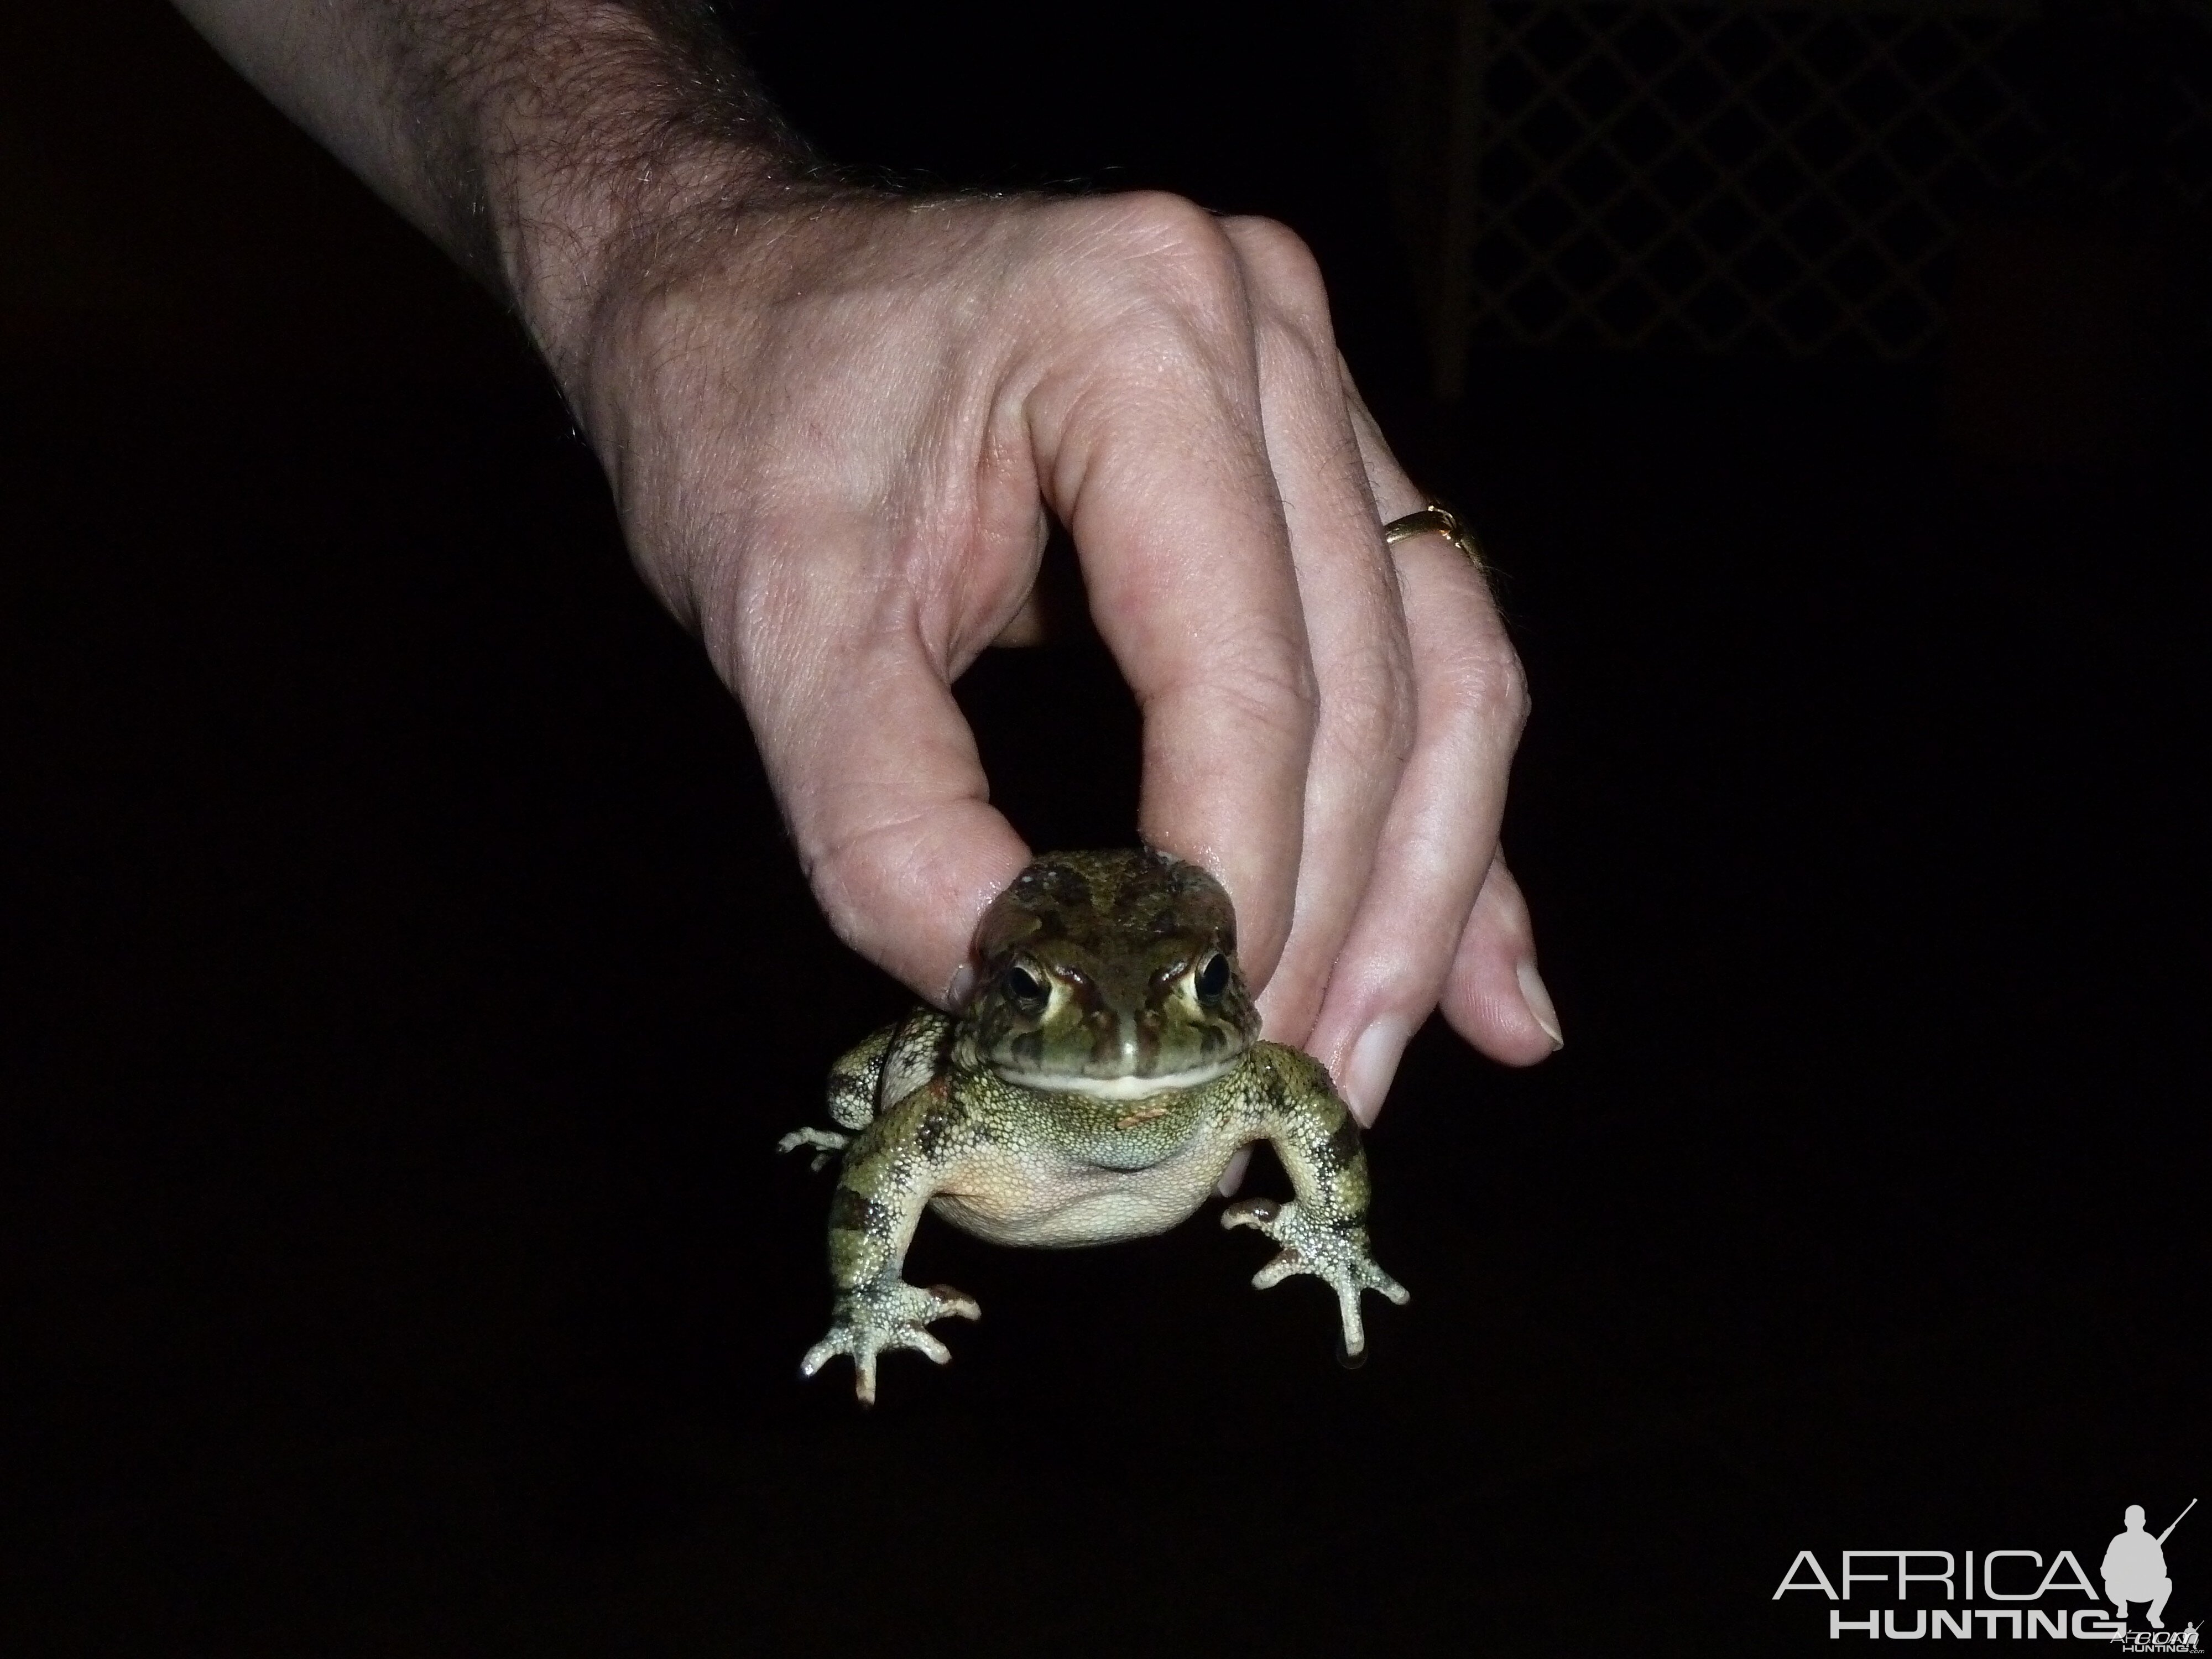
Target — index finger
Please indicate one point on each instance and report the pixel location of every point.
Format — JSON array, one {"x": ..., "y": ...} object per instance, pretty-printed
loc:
[{"x": 1157, "y": 463}]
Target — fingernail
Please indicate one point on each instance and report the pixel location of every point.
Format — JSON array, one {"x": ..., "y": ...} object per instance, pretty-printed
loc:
[
  {"x": 1233, "y": 1176},
  {"x": 1374, "y": 1062},
  {"x": 963, "y": 981},
  {"x": 1540, "y": 1002}
]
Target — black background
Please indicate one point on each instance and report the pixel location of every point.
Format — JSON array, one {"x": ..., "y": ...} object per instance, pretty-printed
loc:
[{"x": 409, "y": 977}]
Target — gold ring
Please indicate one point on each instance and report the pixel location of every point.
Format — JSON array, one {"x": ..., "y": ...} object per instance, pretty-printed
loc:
[{"x": 1434, "y": 520}]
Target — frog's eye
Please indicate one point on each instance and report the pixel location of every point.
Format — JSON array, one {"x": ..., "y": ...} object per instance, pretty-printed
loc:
[
  {"x": 1212, "y": 979},
  {"x": 1024, "y": 989}
]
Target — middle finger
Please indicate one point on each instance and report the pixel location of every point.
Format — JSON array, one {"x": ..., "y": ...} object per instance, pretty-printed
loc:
[{"x": 1355, "y": 629}]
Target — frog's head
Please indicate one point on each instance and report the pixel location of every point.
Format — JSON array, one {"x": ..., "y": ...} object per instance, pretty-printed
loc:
[{"x": 1110, "y": 974}]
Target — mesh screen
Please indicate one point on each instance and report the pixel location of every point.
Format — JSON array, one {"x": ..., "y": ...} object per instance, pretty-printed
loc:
[{"x": 1777, "y": 177}]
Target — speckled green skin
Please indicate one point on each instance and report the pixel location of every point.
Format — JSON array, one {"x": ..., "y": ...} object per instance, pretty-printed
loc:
[{"x": 1129, "y": 1146}]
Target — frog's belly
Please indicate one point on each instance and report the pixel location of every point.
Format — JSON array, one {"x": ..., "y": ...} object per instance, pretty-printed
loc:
[{"x": 1061, "y": 1204}]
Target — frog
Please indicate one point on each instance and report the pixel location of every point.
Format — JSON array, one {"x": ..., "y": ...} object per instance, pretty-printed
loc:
[{"x": 1093, "y": 1086}]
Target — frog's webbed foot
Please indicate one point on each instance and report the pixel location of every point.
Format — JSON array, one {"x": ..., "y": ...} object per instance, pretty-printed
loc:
[
  {"x": 824, "y": 1142},
  {"x": 1339, "y": 1259},
  {"x": 876, "y": 1318}
]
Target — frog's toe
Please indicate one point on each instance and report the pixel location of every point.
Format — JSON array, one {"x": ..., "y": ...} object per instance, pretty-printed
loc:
[
  {"x": 1348, "y": 1280},
  {"x": 1351, "y": 1344},
  {"x": 1285, "y": 1263},
  {"x": 825, "y": 1143},
  {"x": 922, "y": 1343},
  {"x": 838, "y": 1341},
  {"x": 863, "y": 1353},
  {"x": 1257, "y": 1212},
  {"x": 957, "y": 1305}
]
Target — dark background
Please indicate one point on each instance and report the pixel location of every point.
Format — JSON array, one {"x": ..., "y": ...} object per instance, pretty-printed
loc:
[{"x": 410, "y": 978}]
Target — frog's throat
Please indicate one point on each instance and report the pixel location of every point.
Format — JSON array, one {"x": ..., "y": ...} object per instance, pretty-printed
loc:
[{"x": 1118, "y": 1088}]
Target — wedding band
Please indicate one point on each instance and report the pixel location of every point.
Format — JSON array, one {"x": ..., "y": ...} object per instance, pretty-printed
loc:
[{"x": 1434, "y": 520}]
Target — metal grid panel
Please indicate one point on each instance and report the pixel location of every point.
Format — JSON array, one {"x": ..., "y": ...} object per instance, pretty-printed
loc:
[{"x": 1732, "y": 176}]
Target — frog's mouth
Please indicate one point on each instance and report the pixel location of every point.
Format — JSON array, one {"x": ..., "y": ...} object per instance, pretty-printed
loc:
[{"x": 1118, "y": 1088}]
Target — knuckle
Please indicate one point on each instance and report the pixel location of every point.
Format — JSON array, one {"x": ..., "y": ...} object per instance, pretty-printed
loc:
[
  {"x": 1284, "y": 268},
  {"x": 1372, "y": 714},
  {"x": 1171, "y": 226},
  {"x": 1264, "y": 682},
  {"x": 1405, "y": 978},
  {"x": 1482, "y": 686},
  {"x": 852, "y": 868},
  {"x": 1514, "y": 700},
  {"x": 839, "y": 874},
  {"x": 1178, "y": 253},
  {"x": 1271, "y": 248}
]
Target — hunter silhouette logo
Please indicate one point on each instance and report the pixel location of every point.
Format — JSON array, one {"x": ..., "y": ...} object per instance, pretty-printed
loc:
[
  {"x": 2135, "y": 1567},
  {"x": 1909, "y": 1595}
]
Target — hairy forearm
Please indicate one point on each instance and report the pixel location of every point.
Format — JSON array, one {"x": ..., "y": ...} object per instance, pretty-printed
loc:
[{"x": 542, "y": 143}]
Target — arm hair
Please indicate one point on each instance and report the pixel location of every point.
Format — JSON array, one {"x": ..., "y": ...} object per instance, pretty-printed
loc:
[{"x": 528, "y": 137}]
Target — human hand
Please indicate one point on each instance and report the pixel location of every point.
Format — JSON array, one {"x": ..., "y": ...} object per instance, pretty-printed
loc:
[{"x": 835, "y": 423}]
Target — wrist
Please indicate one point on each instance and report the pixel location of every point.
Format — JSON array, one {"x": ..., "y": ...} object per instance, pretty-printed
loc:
[{"x": 618, "y": 136}]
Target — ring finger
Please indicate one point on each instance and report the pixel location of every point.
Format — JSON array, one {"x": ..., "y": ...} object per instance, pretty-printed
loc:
[{"x": 1441, "y": 836}]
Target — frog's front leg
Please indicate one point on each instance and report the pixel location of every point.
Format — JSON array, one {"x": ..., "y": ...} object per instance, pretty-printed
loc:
[
  {"x": 887, "y": 1178},
  {"x": 1323, "y": 1230},
  {"x": 826, "y": 1144}
]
